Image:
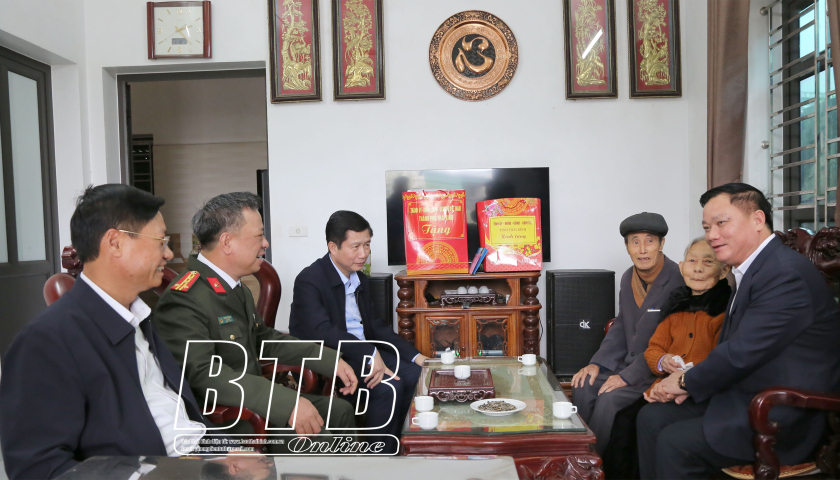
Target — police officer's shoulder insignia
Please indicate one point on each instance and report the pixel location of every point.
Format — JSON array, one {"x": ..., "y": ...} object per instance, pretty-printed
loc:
[
  {"x": 186, "y": 282},
  {"x": 225, "y": 320},
  {"x": 216, "y": 284}
]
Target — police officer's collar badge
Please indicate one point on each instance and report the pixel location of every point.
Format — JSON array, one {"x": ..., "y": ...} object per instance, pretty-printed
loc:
[{"x": 216, "y": 285}]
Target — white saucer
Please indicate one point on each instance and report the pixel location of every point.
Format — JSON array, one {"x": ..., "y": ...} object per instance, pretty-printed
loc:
[{"x": 518, "y": 404}]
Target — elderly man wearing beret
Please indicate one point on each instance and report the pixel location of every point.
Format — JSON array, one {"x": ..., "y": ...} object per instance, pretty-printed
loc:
[{"x": 617, "y": 375}]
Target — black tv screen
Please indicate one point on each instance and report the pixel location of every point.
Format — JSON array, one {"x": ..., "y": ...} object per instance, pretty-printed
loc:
[{"x": 479, "y": 185}]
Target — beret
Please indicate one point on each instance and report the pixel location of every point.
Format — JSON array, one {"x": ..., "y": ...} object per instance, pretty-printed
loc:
[{"x": 644, "y": 222}]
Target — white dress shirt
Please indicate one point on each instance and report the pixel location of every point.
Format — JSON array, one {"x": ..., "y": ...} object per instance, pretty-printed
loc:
[
  {"x": 164, "y": 403},
  {"x": 352, "y": 315},
  {"x": 741, "y": 269}
]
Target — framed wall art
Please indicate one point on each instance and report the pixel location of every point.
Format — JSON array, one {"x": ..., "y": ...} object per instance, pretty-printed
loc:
[
  {"x": 358, "y": 59},
  {"x": 473, "y": 55},
  {"x": 589, "y": 33},
  {"x": 295, "y": 50},
  {"x": 654, "y": 40}
]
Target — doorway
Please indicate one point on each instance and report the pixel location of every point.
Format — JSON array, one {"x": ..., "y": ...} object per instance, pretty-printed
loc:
[
  {"x": 188, "y": 137},
  {"x": 28, "y": 234}
]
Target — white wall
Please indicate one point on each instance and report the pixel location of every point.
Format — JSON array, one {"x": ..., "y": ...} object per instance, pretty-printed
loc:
[
  {"x": 52, "y": 32},
  {"x": 608, "y": 158}
]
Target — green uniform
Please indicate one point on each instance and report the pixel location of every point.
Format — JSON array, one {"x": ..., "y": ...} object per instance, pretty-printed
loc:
[{"x": 205, "y": 308}]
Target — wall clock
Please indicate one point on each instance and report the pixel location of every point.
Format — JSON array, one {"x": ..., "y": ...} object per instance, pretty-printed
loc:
[{"x": 178, "y": 29}]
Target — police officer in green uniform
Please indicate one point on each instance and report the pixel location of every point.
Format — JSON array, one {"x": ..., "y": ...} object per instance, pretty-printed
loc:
[{"x": 208, "y": 303}]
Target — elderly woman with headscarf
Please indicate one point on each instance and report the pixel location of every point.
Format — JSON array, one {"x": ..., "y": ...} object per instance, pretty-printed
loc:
[{"x": 618, "y": 375}]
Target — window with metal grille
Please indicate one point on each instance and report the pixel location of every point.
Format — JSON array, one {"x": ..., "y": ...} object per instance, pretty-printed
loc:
[{"x": 803, "y": 146}]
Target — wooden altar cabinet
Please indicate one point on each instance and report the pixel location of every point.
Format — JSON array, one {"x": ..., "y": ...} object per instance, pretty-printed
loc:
[{"x": 481, "y": 330}]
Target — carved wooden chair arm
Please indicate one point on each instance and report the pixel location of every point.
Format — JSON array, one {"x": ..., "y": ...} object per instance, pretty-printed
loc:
[
  {"x": 766, "y": 461},
  {"x": 224, "y": 414}
]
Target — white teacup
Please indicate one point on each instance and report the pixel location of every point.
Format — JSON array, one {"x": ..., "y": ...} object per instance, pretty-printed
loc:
[
  {"x": 462, "y": 371},
  {"x": 528, "y": 359},
  {"x": 528, "y": 371},
  {"x": 426, "y": 420},
  {"x": 563, "y": 409},
  {"x": 447, "y": 357},
  {"x": 424, "y": 403}
]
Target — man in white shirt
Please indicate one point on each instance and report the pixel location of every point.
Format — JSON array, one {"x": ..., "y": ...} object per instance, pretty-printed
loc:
[
  {"x": 781, "y": 329},
  {"x": 89, "y": 376}
]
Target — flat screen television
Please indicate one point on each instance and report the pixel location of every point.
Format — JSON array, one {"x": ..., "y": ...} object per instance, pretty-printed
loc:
[{"x": 479, "y": 184}]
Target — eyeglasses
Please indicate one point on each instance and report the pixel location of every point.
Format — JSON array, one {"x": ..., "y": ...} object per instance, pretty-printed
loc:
[{"x": 165, "y": 239}]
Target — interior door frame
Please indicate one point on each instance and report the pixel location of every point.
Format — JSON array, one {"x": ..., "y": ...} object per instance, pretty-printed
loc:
[
  {"x": 39, "y": 72},
  {"x": 124, "y": 107},
  {"x": 124, "y": 101}
]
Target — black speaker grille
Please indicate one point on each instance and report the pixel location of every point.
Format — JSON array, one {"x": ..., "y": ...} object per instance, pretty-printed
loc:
[{"x": 580, "y": 304}]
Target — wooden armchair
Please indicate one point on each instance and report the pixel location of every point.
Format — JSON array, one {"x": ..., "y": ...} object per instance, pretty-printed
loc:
[
  {"x": 823, "y": 249},
  {"x": 269, "y": 299}
]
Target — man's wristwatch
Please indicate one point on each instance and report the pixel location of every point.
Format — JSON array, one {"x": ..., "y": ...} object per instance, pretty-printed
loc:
[{"x": 682, "y": 381}]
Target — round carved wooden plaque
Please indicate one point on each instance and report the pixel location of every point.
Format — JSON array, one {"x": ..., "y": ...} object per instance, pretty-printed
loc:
[{"x": 473, "y": 55}]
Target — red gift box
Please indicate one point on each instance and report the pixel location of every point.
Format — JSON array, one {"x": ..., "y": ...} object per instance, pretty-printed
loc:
[
  {"x": 435, "y": 231},
  {"x": 510, "y": 229}
]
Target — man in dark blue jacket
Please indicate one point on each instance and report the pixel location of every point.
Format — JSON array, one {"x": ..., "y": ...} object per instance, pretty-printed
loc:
[
  {"x": 89, "y": 376},
  {"x": 332, "y": 303},
  {"x": 781, "y": 329}
]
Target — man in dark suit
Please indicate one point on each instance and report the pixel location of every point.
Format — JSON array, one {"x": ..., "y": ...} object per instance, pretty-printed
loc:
[
  {"x": 332, "y": 303},
  {"x": 781, "y": 329},
  {"x": 89, "y": 375}
]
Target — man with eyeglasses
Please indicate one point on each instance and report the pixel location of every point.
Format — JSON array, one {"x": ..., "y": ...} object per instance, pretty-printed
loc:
[{"x": 90, "y": 376}]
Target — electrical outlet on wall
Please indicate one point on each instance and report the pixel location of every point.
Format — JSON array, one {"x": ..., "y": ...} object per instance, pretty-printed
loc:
[{"x": 298, "y": 231}]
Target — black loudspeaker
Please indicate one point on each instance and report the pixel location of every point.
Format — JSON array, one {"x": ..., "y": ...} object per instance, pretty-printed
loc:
[
  {"x": 382, "y": 295},
  {"x": 580, "y": 303}
]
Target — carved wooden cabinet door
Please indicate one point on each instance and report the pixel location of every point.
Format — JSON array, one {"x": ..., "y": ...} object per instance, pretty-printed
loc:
[
  {"x": 493, "y": 335},
  {"x": 445, "y": 331}
]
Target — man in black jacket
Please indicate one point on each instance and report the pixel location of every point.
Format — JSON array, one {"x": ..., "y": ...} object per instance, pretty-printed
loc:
[
  {"x": 332, "y": 303},
  {"x": 781, "y": 329},
  {"x": 89, "y": 375}
]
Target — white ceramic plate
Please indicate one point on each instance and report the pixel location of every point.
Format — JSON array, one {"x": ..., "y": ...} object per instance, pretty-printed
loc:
[{"x": 518, "y": 404}]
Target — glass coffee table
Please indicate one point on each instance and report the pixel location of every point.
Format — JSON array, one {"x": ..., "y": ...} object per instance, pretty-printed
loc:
[{"x": 541, "y": 445}]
